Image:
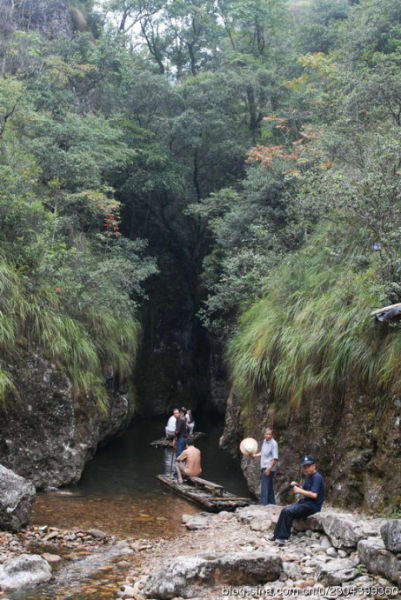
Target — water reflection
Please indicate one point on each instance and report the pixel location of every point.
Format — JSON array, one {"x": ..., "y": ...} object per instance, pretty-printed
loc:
[{"x": 120, "y": 494}]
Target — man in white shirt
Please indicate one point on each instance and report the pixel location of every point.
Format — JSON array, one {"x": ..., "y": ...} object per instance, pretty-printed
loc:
[
  {"x": 268, "y": 461},
  {"x": 172, "y": 424}
]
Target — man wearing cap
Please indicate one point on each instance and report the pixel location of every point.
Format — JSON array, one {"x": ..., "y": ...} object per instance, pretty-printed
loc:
[{"x": 312, "y": 497}]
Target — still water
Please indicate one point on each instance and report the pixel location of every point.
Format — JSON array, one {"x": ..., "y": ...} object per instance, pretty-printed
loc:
[{"x": 119, "y": 494}]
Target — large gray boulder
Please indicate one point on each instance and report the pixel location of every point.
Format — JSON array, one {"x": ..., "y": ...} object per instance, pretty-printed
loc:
[
  {"x": 185, "y": 574},
  {"x": 27, "y": 569},
  {"x": 336, "y": 572},
  {"x": 49, "y": 435},
  {"x": 378, "y": 560},
  {"x": 16, "y": 498},
  {"x": 343, "y": 529},
  {"x": 391, "y": 535}
]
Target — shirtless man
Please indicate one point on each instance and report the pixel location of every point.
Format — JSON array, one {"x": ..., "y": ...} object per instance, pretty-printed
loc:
[{"x": 188, "y": 463}]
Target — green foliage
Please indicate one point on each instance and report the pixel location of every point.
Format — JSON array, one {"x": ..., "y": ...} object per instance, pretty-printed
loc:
[{"x": 312, "y": 330}]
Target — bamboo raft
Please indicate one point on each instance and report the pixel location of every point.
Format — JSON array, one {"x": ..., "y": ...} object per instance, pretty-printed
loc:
[
  {"x": 165, "y": 443},
  {"x": 210, "y": 496}
]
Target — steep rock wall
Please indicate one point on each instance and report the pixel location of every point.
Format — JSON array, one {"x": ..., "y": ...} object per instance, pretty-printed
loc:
[
  {"x": 356, "y": 440},
  {"x": 48, "y": 435}
]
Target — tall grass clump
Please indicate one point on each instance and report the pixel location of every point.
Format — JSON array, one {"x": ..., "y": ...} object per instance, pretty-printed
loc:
[
  {"x": 312, "y": 330},
  {"x": 87, "y": 345}
]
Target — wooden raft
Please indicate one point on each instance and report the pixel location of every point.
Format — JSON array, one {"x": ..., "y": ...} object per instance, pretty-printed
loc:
[
  {"x": 165, "y": 443},
  {"x": 210, "y": 496}
]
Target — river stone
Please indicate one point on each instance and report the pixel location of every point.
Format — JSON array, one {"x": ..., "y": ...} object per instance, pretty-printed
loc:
[
  {"x": 336, "y": 572},
  {"x": 378, "y": 560},
  {"x": 247, "y": 514},
  {"x": 292, "y": 570},
  {"x": 391, "y": 535},
  {"x": 184, "y": 574},
  {"x": 197, "y": 521},
  {"x": 260, "y": 524},
  {"x": 27, "y": 569},
  {"x": 16, "y": 499}
]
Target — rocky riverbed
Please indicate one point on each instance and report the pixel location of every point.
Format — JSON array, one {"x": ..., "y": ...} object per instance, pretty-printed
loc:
[{"x": 330, "y": 555}]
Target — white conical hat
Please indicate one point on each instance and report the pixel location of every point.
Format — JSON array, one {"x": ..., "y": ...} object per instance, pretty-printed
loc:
[{"x": 248, "y": 446}]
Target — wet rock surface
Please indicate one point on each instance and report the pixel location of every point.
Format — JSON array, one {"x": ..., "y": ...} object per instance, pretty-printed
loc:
[
  {"x": 27, "y": 569},
  {"x": 16, "y": 499}
]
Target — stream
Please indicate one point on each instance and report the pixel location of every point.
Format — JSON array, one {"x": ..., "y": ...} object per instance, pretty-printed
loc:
[{"x": 119, "y": 494}]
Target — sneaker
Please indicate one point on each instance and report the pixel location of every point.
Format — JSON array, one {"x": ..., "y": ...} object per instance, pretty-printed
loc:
[
  {"x": 271, "y": 539},
  {"x": 281, "y": 541}
]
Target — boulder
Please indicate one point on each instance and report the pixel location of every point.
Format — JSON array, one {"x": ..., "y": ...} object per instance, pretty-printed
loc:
[
  {"x": 49, "y": 436},
  {"x": 343, "y": 529},
  {"x": 27, "y": 569},
  {"x": 185, "y": 574},
  {"x": 391, "y": 535},
  {"x": 336, "y": 572},
  {"x": 16, "y": 499},
  {"x": 378, "y": 560},
  {"x": 312, "y": 523}
]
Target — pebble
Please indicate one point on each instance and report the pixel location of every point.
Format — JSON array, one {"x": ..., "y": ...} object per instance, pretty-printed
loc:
[
  {"x": 51, "y": 558},
  {"x": 98, "y": 534},
  {"x": 331, "y": 552}
]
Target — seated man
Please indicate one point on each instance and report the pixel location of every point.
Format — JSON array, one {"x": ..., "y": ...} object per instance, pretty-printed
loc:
[
  {"x": 188, "y": 463},
  {"x": 172, "y": 424},
  {"x": 312, "y": 493}
]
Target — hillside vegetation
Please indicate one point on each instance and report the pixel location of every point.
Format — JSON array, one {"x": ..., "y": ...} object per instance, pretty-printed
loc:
[{"x": 219, "y": 172}]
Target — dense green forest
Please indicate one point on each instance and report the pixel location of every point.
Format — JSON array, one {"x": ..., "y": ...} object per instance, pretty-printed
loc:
[{"x": 191, "y": 173}]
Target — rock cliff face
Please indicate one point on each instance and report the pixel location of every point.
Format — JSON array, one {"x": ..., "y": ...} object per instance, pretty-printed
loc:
[
  {"x": 354, "y": 438},
  {"x": 48, "y": 435},
  {"x": 53, "y": 18}
]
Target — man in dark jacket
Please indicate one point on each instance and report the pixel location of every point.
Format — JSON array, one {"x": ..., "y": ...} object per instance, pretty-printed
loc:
[
  {"x": 312, "y": 498},
  {"x": 181, "y": 434}
]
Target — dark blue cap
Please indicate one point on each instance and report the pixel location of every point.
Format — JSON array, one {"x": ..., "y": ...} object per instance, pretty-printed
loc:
[{"x": 307, "y": 459}]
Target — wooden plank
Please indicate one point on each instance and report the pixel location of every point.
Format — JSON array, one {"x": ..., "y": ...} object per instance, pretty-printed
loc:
[
  {"x": 165, "y": 443},
  {"x": 202, "y": 497},
  {"x": 214, "y": 488}
]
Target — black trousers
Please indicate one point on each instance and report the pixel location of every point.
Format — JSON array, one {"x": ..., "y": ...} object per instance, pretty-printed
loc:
[{"x": 287, "y": 515}]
